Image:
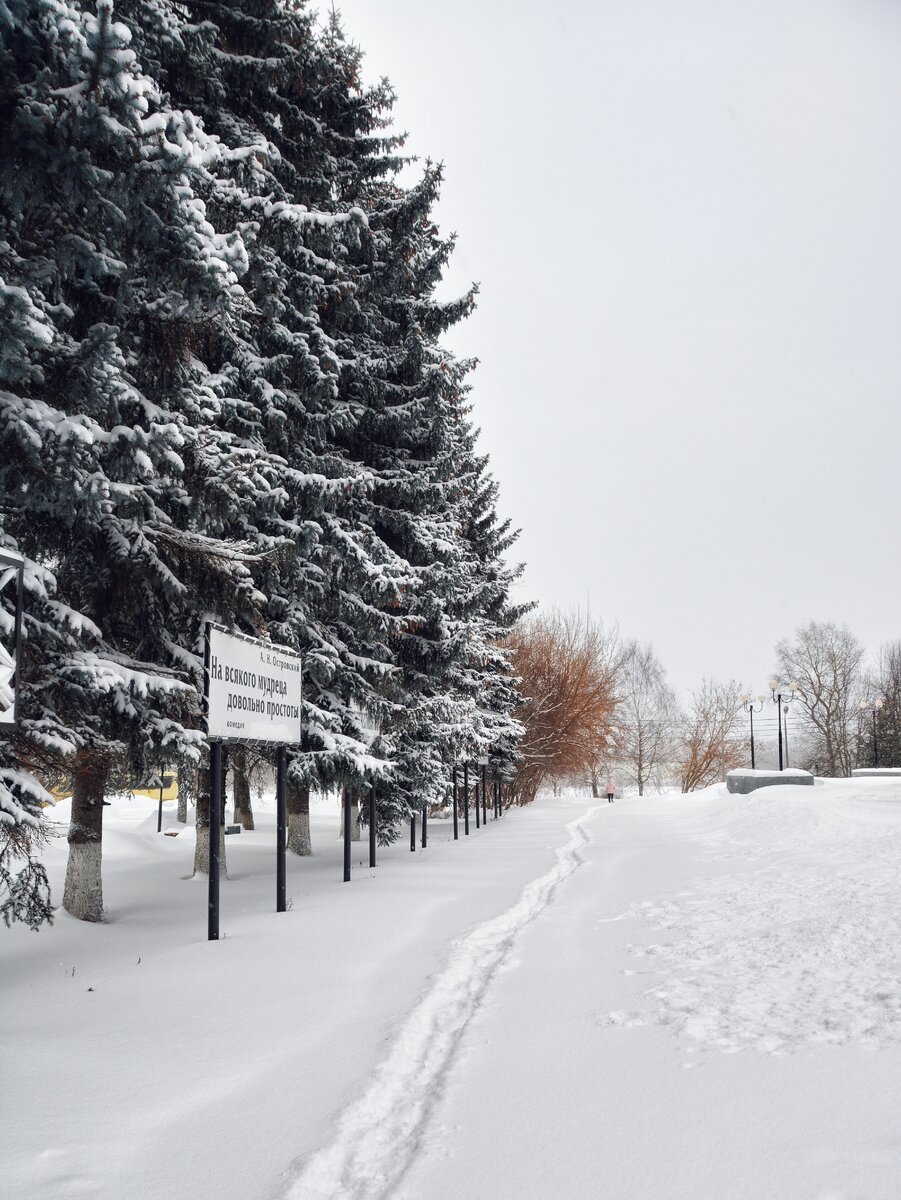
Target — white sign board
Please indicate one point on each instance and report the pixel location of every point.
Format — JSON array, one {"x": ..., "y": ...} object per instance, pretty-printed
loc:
[
  {"x": 10, "y": 629},
  {"x": 253, "y": 689}
]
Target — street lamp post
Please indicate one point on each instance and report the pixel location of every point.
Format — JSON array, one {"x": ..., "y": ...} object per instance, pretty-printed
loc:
[
  {"x": 776, "y": 687},
  {"x": 874, "y": 709},
  {"x": 747, "y": 703}
]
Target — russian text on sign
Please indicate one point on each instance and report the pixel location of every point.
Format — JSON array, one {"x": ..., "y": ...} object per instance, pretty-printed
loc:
[{"x": 253, "y": 689}]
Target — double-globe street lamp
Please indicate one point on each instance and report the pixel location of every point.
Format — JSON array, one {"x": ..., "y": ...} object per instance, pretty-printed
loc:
[
  {"x": 747, "y": 703},
  {"x": 874, "y": 707},
  {"x": 776, "y": 686}
]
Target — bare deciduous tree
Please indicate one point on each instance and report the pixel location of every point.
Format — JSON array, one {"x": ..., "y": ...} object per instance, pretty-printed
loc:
[
  {"x": 600, "y": 770},
  {"x": 825, "y": 659},
  {"x": 567, "y": 666},
  {"x": 648, "y": 715},
  {"x": 708, "y": 747},
  {"x": 885, "y": 685}
]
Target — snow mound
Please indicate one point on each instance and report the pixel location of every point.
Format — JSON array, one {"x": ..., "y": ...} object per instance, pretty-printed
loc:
[{"x": 792, "y": 953}]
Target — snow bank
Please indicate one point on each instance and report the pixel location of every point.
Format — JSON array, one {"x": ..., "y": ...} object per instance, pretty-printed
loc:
[{"x": 800, "y": 950}]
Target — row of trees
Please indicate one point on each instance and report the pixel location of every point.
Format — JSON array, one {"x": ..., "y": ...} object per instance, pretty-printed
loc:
[
  {"x": 223, "y": 394},
  {"x": 596, "y": 706},
  {"x": 841, "y": 695}
]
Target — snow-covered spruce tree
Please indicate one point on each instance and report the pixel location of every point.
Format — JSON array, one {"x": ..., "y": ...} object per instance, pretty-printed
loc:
[
  {"x": 395, "y": 427},
  {"x": 263, "y": 84},
  {"x": 24, "y": 888},
  {"x": 429, "y": 503},
  {"x": 105, "y": 455},
  {"x": 340, "y": 372},
  {"x": 488, "y": 611}
]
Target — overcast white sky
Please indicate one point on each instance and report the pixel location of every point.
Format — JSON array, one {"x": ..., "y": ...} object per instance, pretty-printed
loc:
[{"x": 685, "y": 217}]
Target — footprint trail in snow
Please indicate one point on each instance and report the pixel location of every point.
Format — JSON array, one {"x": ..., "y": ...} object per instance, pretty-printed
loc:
[{"x": 378, "y": 1134}]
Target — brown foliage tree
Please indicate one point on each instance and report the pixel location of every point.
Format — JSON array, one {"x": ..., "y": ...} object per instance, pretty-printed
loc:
[{"x": 567, "y": 666}]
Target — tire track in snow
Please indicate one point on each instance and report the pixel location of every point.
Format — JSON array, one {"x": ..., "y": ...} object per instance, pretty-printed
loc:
[{"x": 379, "y": 1134}]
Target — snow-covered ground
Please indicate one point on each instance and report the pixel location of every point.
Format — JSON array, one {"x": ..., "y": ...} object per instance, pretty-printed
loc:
[{"x": 675, "y": 998}]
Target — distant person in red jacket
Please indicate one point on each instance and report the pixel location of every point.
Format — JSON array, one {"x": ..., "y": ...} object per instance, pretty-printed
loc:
[{"x": 610, "y": 790}]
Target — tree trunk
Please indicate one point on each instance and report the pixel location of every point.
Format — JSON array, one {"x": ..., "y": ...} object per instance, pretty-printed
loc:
[
  {"x": 355, "y": 831},
  {"x": 185, "y": 777},
  {"x": 83, "y": 892},
  {"x": 831, "y": 765},
  {"x": 241, "y": 785},
  {"x": 202, "y": 824},
  {"x": 298, "y": 805}
]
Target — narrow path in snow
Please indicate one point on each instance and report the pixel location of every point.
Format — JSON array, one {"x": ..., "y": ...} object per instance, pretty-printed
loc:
[{"x": 378, "y": 1134}]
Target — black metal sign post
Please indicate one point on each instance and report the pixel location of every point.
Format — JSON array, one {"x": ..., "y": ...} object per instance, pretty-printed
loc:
[
  {"x": 215, "y": 811},
  {"x": 372, "y": 829},
  {"x": 281, "y": 829},
  {"x": 497, "y": 799},
  {"x": 347, "y": 818},
  {"x": 456, "y": 817},
  {"x": 484, "y": 794},
  {"x": 425, "y": 825},
  {"x": 413, "y": 833},
  {"x": 475, "y": 792},
  {"x": 466, "y": 799},
  {"x": 9, "y": 662},
  {"x": 252, "y": 696},
  {"x": 161, "y": 781}
]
